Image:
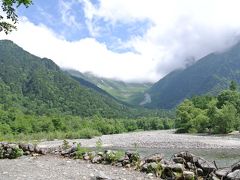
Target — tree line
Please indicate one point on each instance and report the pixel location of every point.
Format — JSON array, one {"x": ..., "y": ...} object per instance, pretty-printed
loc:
[{"x": 210, "y": 114}]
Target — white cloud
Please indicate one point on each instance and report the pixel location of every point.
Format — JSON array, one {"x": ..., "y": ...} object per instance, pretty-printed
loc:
[
  {"x": 181, "y": 31},
  {"x": 67, "y": 17},
  {"x": 85, "y": 55}
]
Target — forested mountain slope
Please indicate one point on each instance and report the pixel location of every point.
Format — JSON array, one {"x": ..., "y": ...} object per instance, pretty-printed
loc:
[
  {"x": 209, "y": 75},
  {"x": 36, "y": 85}
]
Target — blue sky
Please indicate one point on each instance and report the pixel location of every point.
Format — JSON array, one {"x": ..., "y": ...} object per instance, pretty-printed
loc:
[
  {"x": 129, "y": 40},
  {"x": 67, "y": 18}
]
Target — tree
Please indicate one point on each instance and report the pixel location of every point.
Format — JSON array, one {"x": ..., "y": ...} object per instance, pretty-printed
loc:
[
  {"x": 233, "y": 86},
  {"x": 9, "y": 8}
]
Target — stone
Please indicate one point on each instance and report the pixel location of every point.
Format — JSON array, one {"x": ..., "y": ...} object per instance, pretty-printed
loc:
[
  {"x": 86, "y": 157},
  {"x": 127, "y": 165},
  {"x": 222, "y": 172},
  {"x": 144, "y": 167},
  {"x": 24, "y": 147},
  {"x": 154, "y": 158},
  {"x": 43, "y": 151},
  {"x": 102, "y": 176},
  {"x": 30, "y": 147},
  {"x": 179, "y": 160},
  {"x": 37, "y": 149},
  {"x": 236, "y": 166},
  {"x": 177, "y": 167},
  {"x": 188, "y": 175},
  {"x": 199, "y": 172},
  {"x": 235, "y": 175},
  {"x": 185, "y": 155},
  {"x": 190, "y": 165},
  {"x": 100, "y": 153},
  {"x": 97, "y": 159},
  {"x": 26, "y": 153},
  {"x": 205, "y": 165}
]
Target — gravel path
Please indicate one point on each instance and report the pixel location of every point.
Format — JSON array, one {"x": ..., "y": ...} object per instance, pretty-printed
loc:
[
  {"x": 57, "y": 168},
  {"x": 157, "y": 139}
]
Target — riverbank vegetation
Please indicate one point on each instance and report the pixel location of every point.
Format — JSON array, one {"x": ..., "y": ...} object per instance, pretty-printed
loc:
[
  {"x": 16, "y": 125},
  {"x": 212, "y": 114}
]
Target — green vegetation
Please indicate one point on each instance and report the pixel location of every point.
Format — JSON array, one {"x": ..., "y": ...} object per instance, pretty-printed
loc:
[
  {"x": 39, "y": 101},
  {"x": 15, "y": 125},
  {"x": 37, "y": 86},
  {"x": 220, "y": 114},
  {"x": 209, "y": 75},
  {"x": 8, "y": 7},
  {"x": 123, "y": 91}
]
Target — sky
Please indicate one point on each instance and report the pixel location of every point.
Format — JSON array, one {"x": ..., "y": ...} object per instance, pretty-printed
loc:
[{"x": 128, "y": 40}]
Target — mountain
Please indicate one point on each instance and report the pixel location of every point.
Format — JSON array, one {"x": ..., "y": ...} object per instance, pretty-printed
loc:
[
  {"x": 123, "y": 91},
  {"x": 37, "y": 85},
  {"x": 209, "y": 75}
]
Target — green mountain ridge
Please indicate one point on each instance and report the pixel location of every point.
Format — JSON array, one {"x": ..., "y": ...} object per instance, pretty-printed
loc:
[
  {"x": 37, "y": 85},
  {"x": 123, "y": 91},
  {"x": 209, "y": 75}
]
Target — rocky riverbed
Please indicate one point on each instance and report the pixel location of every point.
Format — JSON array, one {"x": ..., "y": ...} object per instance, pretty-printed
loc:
[
  {"x": 223, "y": 149},
  {"x": 166, "y": 142},
  {"x": 165, "y": 139}
]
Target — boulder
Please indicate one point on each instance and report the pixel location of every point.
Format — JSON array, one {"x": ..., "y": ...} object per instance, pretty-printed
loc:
[
  {"x": 185, "y": 155},
  {"x": 179, "y": 160},
  {"x": 188, "y": 175},
  {"x": 199, "y": 172},
  {"x": 177, "y": 167},
  {"x": 154, "y": 158},
  {"x": 236, "y": 166},
  {"x": 222, "y": 172},
  {"x": 205, "y": 165},
  {"x": 235, "y": 175},
  {"x": 31, "y": 147}
]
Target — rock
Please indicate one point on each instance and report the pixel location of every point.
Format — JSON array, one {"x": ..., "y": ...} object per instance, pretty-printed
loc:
[
  {"x": 125, "y": 162},
  {"x": 144, "y": 167},
  {"x": 222, "y": 172},
  {"x": 177, "y": 167},
  {"x": 179, "y": 160},
  {"x": 188, "y": 175},
  {"x": 97, "y": 159},
  {"x": 24, "y": 147},
  {"x": 100, "y": 153},
  {"x": 30, "y": 147},
  {"x": 86, "y": 157},
  {"x": 190, "y": 166},
  {"x": 127, "y": 165},
  {"x": 235, "y": 175},
  {"x": 154, "y": 158},
  {"x": 236, "y": 166},
  {"x": 205, "y": 165},
  {"x": 26, "y": 153},
  {"x": 42, "y": 151},
  {"x": 185, "y": 155},
  {"x": 101, "y": 176},
  {"x": 199, "y": 172}
]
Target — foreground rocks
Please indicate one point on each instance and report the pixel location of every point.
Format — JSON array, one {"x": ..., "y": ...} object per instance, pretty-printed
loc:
[
  {"x": 15, "y": 150},
  {"x": 183, "y": 165}
]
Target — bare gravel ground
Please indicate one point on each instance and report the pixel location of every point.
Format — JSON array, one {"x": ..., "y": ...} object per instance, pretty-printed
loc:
[
  {"x": 165, "y": 139},
  {"x": 57, "y": 168}
]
